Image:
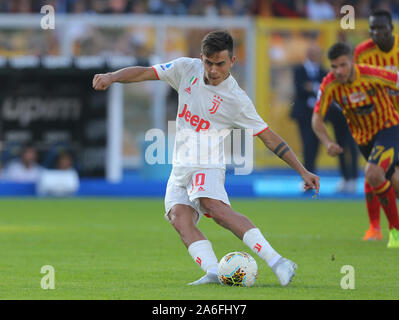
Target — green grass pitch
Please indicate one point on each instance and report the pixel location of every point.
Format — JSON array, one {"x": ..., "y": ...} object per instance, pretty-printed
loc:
[{"x": 125, "y": 249}]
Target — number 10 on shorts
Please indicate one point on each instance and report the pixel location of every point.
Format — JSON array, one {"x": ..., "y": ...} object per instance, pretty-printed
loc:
[{"x": 199, "y": 182}]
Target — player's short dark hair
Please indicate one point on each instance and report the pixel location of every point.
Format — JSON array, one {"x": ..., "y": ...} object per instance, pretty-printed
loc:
[
  {"x": 382, "y": 13},
  {"x": 217, "y": 41},
  {"x": 339, "y": 49}
]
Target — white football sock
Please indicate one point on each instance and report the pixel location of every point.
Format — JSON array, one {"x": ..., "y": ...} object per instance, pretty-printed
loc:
[
  {"x": 202, "y": 253},
  {"x": 254, "y": 239}
]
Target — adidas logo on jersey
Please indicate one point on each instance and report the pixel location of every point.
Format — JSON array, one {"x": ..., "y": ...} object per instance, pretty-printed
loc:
[{"x": 193, "y": 81}]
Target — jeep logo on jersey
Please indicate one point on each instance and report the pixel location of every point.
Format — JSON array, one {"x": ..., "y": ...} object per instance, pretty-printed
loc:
[
  {"x": 216, "y": 103},
  {"x": 194, "y": 120}
]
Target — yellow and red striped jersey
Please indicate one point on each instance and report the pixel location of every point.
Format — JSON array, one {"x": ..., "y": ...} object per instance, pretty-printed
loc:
[
  {"x": 367, "y": 52},
  {"x": 365, "y": 101}
]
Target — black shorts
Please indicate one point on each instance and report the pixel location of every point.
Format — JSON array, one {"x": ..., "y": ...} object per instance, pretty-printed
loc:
[{"x": 383, "y": 150}]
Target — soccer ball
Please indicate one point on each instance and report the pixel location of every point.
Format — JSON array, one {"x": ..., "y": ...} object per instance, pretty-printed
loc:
[{"x": 237, "y": 269}]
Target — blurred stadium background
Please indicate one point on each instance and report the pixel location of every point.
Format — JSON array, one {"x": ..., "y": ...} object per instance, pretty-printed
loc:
[{"x": 47, "y": 99}]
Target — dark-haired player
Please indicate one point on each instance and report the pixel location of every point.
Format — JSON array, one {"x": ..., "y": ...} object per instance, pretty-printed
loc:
[
  {"x": 210, "y": 103},
  {"x": 382, "y": 50},
  {"x": 361, "y": 91}
]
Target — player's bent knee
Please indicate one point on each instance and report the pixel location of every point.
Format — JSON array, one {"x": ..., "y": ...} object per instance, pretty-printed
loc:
[
  {"x": 395, "y": 184},
  {"x": 215, "y": 209},
  {"x": 374, "y": 175},
  {"x": 181, "y": 216},
  {"x": 395, "y": 181}
]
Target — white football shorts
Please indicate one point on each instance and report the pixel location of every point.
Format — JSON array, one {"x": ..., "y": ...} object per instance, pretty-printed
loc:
[{"x": 206, "y": 183}]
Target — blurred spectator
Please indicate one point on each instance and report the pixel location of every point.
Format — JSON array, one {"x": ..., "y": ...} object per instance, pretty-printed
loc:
[
  {"x": 362, "y": 8},
  {"x": 64, "y": 161},
  {"x": 25, "y": 169},
  {"x": 138, "y": 7},
  {"x": 395, "y": 10},
  {"x": 78, "y": 7},
  {"x": 173, "y": 7},
  {"x": 99, "y": 6},
  {"x": 320, "y": 10},
  {"x": 235, "y": 7},
  {"x": 243, "y": 7},
  {"x": 226, "y": 9},
  {"x": 62, "y": 181},
  {"x": 288, "y": 8},
  {"x": 262, "y": 8},
  {"x": 116, "y": 7},
  {"x": 204, "y": 8},
  {"x": 154, "y": 6},
  {"x": 383, "y": 4},
  {"x": 4, "y": 6},
  {"x": 307, "y": 79},
  {"x": 24, "y": 6},
  {"x": 167, "y": 7}
]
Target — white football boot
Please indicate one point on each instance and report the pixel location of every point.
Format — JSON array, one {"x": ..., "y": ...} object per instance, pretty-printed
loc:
[
  {"x": 284, "y": 269},
  {"x": 209, "y": 277}
]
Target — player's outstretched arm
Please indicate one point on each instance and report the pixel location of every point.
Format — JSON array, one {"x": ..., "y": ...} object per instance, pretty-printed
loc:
[
  {"x": 320, "y": 129},
  {"x": 126, "y": 75},
  {"x": 279, "y": 147}
]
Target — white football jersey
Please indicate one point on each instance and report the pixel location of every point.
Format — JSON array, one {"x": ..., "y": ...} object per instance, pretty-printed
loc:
[{"x": 206, "y": 115}]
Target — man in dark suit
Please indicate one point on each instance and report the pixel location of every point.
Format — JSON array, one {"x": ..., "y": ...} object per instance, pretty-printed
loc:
[{"x": 307, "y": 78}]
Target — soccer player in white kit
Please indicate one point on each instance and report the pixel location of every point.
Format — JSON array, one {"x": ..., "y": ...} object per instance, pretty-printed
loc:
[{"x": 210, "y": 103}]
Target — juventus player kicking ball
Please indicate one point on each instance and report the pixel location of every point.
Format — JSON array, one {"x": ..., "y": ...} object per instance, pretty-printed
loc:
[{"x": 211, "y": 101}]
